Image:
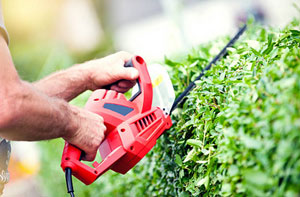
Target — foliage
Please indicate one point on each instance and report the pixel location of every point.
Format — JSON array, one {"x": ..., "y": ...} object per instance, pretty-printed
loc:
[
  {"x": 237, "y": 131},
  {"x": 237, "y": 134}
]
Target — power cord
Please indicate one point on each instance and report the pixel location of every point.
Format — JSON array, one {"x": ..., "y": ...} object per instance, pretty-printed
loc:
[{"x": 68, "y": 173}]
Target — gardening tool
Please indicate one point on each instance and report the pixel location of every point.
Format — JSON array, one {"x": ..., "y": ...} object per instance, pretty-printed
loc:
[{"x": 133, "y": 125}]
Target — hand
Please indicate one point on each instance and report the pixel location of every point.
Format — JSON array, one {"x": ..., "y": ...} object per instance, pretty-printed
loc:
[
  {"x": 109, "y": 70},
  {"x": 91, "y": 75},
  {"x": 86, "y": 132}
]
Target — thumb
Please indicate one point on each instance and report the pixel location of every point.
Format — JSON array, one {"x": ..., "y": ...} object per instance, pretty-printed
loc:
[{"x": 128, "y": 74}]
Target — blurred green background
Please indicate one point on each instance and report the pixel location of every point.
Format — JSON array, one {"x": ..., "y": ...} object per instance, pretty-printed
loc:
[{"x": 37, "y": 46}]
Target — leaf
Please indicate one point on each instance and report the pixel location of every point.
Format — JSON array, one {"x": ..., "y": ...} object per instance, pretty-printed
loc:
[
  {"x": 295, "y": 32},
  {"x": 270, "y": 45},
  {"x": 201, "y": 162},
  {"x": 195, "y": 143},
  {"x": 222, "y": 76},
  {"x": 190, "y": 155},
  {"x": 178, "y": 160},
  {"x": 255, "y": 52},
  {"x": 202, "y": 181},
  {"x": 171, "y": 63}
]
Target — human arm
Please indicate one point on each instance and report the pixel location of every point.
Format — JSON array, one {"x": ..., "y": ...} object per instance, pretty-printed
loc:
[
  {"x": 29, "y": 114},
  {"x": 91, "y": 75}
]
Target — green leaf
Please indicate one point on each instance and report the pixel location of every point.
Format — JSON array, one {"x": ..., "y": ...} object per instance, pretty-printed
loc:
[
  {"x": 203, "y": 181},
  {"x": 190, "y": 155},
  {"x": 255, "y": 52},
  {"x": 171, "y": 63},
  {"x": 178, "y": 160},
  {"x": 195, "y": 143},
  {"x": 295, "y": 32},
  {"x": 270, "y": 45}
]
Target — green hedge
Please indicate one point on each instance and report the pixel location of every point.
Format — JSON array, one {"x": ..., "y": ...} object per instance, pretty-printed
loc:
[{"x": 237, "y": 134}]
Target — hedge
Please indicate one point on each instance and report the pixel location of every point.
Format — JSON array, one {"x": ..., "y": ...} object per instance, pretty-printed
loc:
[{"x": 237, "y": 134}]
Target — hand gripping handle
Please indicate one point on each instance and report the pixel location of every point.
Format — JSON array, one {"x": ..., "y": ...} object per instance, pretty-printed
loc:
[
  {"x": 144, "y": 95},
  {"x": 72, "y": 155},
  {"x": 143, "y": 98}
]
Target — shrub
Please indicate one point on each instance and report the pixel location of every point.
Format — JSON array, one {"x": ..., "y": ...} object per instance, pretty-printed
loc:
[{"x": 237, "y": 134}]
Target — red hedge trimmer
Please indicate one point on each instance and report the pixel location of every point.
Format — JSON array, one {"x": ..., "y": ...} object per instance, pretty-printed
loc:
[{"x": 133, "y": 125}]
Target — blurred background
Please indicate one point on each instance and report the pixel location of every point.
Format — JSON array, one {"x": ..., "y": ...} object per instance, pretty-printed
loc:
[{"x": 48, "y": 35}]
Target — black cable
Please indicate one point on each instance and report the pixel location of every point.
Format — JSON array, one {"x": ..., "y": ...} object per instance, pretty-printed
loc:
[
  {"x": 68, "y": 173},
  {"x": 192, "y": 85}
]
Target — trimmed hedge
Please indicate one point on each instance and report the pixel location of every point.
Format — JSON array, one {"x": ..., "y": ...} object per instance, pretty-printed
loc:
[{"x": 237, "y": 134}]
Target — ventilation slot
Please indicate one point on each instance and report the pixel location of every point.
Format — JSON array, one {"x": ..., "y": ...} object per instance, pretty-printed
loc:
[{"x": 145, "y": 122}]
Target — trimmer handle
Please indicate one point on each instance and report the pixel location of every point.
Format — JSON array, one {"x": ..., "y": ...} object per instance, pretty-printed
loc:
[
  {"x": 143, "y": 98},
  {"x": 143, "y": 83},
  {"x": 139, "y": 103}
]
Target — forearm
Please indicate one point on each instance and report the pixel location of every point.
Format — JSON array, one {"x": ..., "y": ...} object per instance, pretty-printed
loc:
[
  {"x": 65, "y": 84},
  {"x": 28, "y": 114},
  {"x": 91, "y": 75},
  {"x": 25, "y": 112}
]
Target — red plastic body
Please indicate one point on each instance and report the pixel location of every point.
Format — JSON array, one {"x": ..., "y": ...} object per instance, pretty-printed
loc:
[{"x": 132, "y": 129}]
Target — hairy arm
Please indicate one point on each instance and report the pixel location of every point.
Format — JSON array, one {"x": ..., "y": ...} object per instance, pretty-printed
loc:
[
  {"x": 29, "y": 114},
  {"x": 91, "y": 75},
  {"x": 65, "y": 84}
]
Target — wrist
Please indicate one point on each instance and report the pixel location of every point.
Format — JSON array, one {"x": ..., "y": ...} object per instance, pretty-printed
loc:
[
  {"x": 72, "y": 123},
  {"x": 83, "y": 74},
  {"x": 65, "y": 84}
]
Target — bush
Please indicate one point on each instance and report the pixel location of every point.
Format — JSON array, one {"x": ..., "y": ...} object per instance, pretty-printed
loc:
[{"x": 237, "y": 134}]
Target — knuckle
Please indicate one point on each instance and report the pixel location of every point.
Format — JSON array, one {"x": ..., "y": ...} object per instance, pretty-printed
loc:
[
  {"x": 101, "y": 138},
  {"x": 121, "y": 53},
  {"x": 101, "y": 119},
  {"x": 124, "y": 54},
  {"x": 96, "y": 144},
  {"x": 104, "y": 127}
]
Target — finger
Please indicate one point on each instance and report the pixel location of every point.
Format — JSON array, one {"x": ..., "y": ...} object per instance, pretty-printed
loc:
[
  {"x": 104, "y": 129},
  {"x": 126, "y": 84},
  {"x": 133, "y": 72},
  {"x": 119, "y": 89},
  {"x": 129, "y": 73},
  {"x": 89, "y": 156},
  {"x": 124, "y": 55},
  {"x": 122, "y": 73}
]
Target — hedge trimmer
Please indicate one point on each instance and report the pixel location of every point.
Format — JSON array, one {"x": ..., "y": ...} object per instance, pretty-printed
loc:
[{"x": 133, "y": 125}]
